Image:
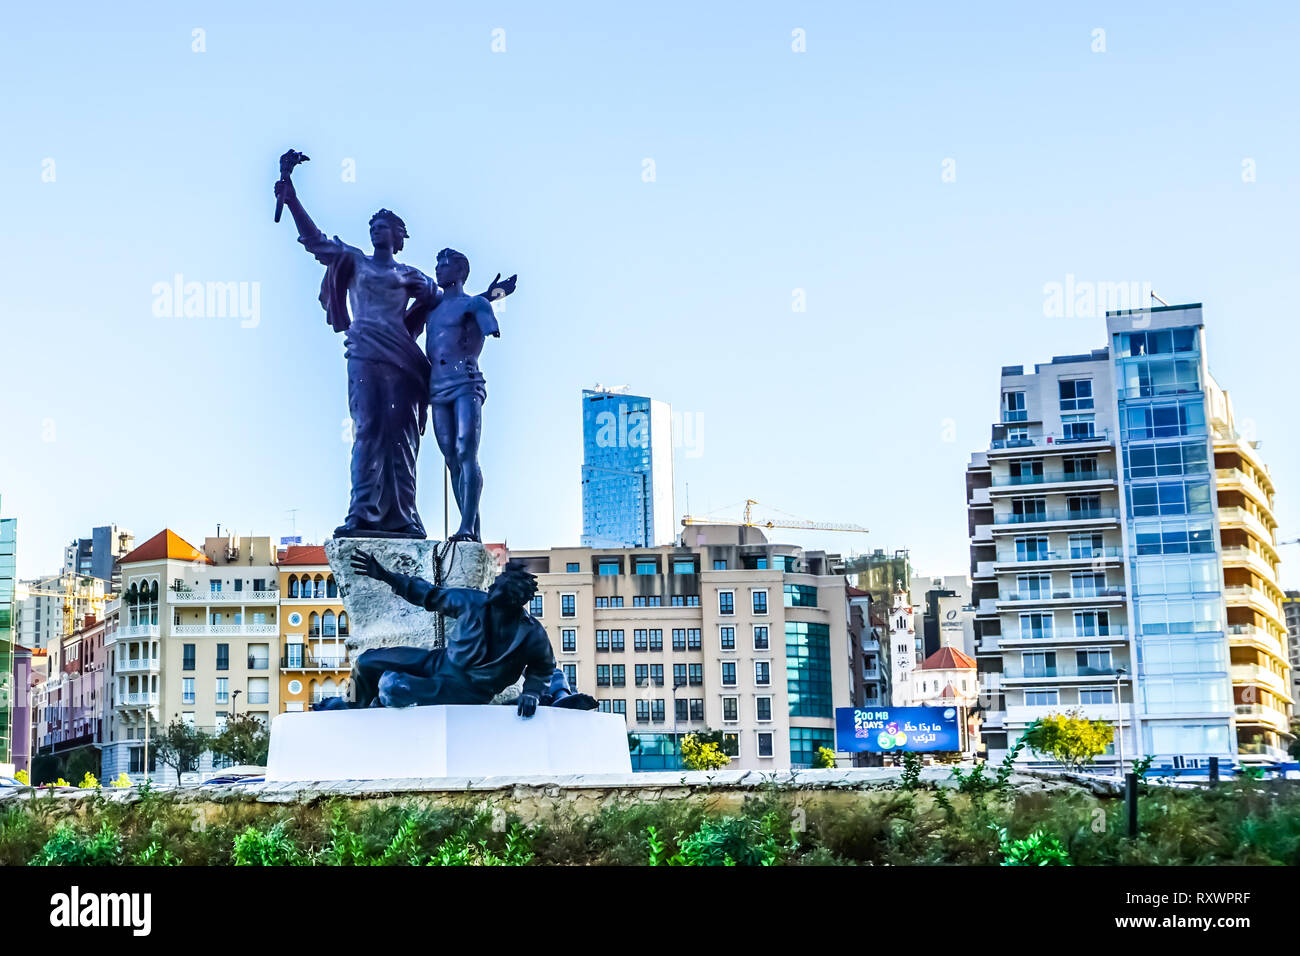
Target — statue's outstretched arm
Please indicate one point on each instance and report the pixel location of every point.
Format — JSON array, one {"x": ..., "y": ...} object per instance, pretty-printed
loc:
[
  {"x": 499, "y": 289},
  {"x": 285, "y": 192}
]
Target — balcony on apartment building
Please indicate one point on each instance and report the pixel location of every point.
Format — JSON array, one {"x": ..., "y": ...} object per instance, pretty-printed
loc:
[
  {"x": 1263, "y": 714},
  {"x": 1092, "y": 595},
  {"x": 1242, "y": 556},
  {"x": 316, "y": 662},
  {"x": 139, "y": 699},
  {"x": 1253, "y": 636},
  {"x": 1114, "y": 634},
  {"x": 1058, "y": 673},
  {"x": 136, "y": 665},
  {"x": 131, "y": 632},
  {"x": 1011, "y": 559},
  {"x": 1262, "y": 676},
  {"x": 225, "y": 630},
  {"x": 1057, "y": 516},
  {"x": 1071, "y": 479},
  {"x": 1059, "y": 440},
  {"x": 200, "y": 597}
]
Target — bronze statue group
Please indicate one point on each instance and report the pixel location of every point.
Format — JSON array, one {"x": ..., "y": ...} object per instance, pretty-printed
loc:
[{"x": 382, "y": 306}]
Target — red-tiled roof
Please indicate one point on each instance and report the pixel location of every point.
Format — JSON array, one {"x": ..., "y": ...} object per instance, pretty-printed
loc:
[
  {"x": 856, "y": 592},
  {"x": 947, "y": 658},
  {"x": 165, "y": 544},
  {"x": 304, "y": 554}
]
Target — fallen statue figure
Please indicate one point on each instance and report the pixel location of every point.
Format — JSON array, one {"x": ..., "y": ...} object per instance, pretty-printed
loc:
[{"x": 495, "y": 642}]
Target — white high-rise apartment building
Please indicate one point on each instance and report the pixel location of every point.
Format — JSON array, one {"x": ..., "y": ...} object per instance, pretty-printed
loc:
[{"x": 1123, "y": 555}]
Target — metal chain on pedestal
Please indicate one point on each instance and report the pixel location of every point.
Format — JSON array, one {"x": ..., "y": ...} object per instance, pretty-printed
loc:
[{"x": 440, "y": 554}]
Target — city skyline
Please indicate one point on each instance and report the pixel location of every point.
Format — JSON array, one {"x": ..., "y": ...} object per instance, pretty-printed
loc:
[{"x": 822, "y": 180}]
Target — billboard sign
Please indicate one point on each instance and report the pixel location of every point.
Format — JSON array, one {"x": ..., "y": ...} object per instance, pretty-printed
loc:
[{"x": 895, "y": 729}]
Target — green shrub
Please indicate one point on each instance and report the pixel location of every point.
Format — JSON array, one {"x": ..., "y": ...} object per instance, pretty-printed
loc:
[
  {"x": 273, "y": 847},
  {"x": 1037, "y": 849},
  {"x": 66, "y": 847}
]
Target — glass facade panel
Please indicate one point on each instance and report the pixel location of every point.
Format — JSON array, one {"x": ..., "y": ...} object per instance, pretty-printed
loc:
[{"x": 808, "y": 669}]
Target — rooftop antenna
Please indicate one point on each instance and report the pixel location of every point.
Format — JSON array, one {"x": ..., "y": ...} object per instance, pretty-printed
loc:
[{"x": 1158, "y": 299}]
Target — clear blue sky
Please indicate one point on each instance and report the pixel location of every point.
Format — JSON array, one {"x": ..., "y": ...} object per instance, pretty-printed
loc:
[{"x": 775, "y": 170}]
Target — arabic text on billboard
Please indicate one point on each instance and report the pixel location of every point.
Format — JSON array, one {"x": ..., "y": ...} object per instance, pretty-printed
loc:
[{"x": 893, "y": 729}]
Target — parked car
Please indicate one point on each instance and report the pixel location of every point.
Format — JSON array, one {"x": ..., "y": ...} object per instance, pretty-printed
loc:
[{"x": 9, "y": 782}]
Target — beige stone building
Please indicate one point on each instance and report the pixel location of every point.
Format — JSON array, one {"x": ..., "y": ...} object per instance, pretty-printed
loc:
[
  {"x": 196, "y": 637},
  {"x": 725, "y": 631}
]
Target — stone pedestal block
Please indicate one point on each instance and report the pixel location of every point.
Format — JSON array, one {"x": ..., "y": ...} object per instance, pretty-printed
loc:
[
  {"x": 482, "y": 740},
  {"x": 379, "y": 618}
]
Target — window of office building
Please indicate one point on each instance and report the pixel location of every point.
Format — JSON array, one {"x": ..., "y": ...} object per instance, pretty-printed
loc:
[
  {"x": 571, "y": 675},
  {"x": 685, "y": 600},
  {"x": 679, "y": 638},
  {"x": 568, "y": 605},
  {"x": 806, "y": 741},
  {"x": 656, "y": 638},
  {"x": 765, "y": 744},
  {"x": 647, "y": 566},
  {"x": 719, "y": 564},
  {"x": 657, "y": 675},
  {"x": 697, "y": 674},
  {"x": 187, "y": 657},
  {"x": 697, "y": 708},
  {"x": 808, "y": 668},
  {"x": 760, "y": 637},
  {"x": 726, "y": 602},
  {"x": 762, "y": 673},
  {"x": 1042, "y": 698},
  {"x": 535, "y": 608},
  {"x": 680, "y": 710},
  {"x": 569, "y": 640},
  {"x": 728, "y": 673},
  {"x": 727, "y": 638},
  {"x": 763, "y": 708},
  {"x": 223, "y": 657},
  {"x": 647, "y": 600},
  {"x": 800, "y": 595},
  {"x": 679, "y": 675},
  {"x": 602, "y": 675},
  {"x": 683, "y": 565},
  {"x": 657, "y": 710},
  {"x": 641, "y": 674},
  {"x": 1013, "y": 407},
  {"x": 602, "y": 640},
  {"x": 572, "y": 567},
  {"x": 616, "y": 640},
  {"x": 1076, "y": 394},
  {"x": 693, "y": 640},
  {"x": 606, "y": 567},
  {"x": 760, "y": 602},
  {"x": 730, "y": 709},
  {"x": 640, "y": 640}
]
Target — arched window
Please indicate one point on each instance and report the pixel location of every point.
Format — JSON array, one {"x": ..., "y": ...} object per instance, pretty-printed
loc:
[
  {"x": 328, "y": 624},
  {"x": 320, "y": 587},
  {"x": 343, "y": 624},
  {"x": 313, "y": 624},
  {"x": 331, "y": 588},
  {"x": 293, "y": 585}
]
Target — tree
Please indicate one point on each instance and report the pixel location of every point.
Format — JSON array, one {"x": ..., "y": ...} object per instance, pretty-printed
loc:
[
  {"x": 244, "y": 740},
  {"x": 1070, "y": 739},
  {"x": 702, "y": 755},
  {"x": 181, "y": 747},
  {"x": 824, "y": 759}
]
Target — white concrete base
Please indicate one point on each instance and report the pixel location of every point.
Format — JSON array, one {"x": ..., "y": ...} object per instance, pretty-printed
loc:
[{"x": 445, "y": 741}]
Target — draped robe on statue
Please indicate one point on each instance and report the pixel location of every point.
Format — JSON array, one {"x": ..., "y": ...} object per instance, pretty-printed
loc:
[{"x": 388, "y": 384}]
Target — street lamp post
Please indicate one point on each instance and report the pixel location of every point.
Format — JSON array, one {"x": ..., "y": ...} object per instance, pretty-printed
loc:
[
  {"x": 1119, "y": 711},
  {"x": 234, "y": 703}
]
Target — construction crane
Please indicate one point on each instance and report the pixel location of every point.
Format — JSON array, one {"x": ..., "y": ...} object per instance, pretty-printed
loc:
[
  {"x": 789, "y": 522},
  {"x": 79, "y": 589}
]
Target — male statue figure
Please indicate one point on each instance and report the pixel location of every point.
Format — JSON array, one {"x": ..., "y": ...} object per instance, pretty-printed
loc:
[
  {"x": 458, "y": 325},
  {"x": 495, "y": 642}
]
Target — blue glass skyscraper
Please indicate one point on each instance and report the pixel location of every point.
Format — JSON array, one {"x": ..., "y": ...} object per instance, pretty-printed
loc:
[{"x": 627, "y": 470}]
